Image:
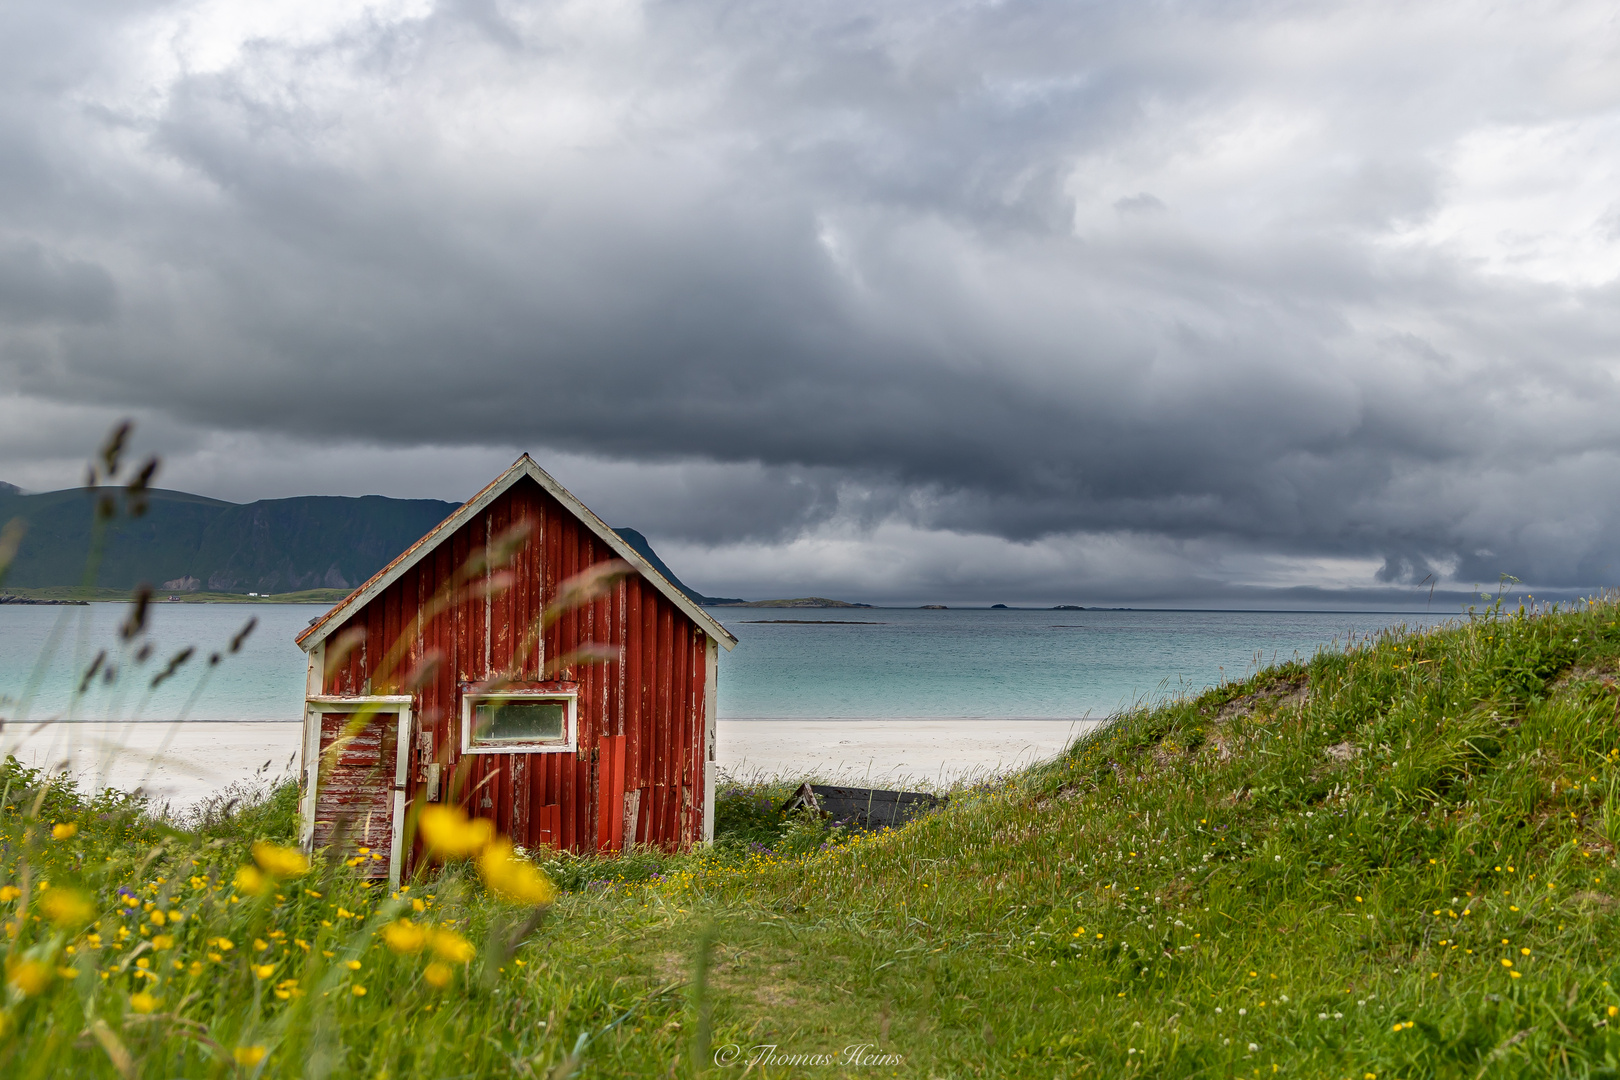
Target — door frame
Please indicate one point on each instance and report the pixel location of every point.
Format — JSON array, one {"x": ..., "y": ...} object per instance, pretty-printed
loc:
[{"x": 314, "y": 706}]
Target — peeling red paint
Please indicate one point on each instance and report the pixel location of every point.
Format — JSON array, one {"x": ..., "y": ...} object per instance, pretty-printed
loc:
[{"x": 641, "y": 714}]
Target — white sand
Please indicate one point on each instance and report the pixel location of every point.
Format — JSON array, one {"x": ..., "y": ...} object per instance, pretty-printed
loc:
[
  {"x": 887, "y": 752},
  {"x": 185, "y": 763},
  {"x": 176, "y": 763}
]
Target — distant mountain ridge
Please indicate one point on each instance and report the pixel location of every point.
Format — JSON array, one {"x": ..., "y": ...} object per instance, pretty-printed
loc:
[
  {"x": 644, "y": 549},
  {"x": 799, "y": 602},
  {"x": 186, "y": 543}
]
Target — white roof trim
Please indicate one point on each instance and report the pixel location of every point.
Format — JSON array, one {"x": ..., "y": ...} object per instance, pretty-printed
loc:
[{"x": 524, "y": 466}]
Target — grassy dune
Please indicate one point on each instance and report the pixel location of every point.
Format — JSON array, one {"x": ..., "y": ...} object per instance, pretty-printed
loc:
[{"x": 1396, "y": 861}]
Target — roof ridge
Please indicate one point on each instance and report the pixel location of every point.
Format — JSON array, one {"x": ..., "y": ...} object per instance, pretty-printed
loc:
[{"x": 525, "y": 465}]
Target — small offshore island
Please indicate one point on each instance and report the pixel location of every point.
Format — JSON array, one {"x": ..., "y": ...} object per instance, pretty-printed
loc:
[{"x": 800, "y": 602}]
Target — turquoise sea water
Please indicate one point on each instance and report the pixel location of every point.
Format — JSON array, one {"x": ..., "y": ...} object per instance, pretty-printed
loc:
[
  {"x": 1004, "y": 663},
  {"x": 865, "y": 663}
]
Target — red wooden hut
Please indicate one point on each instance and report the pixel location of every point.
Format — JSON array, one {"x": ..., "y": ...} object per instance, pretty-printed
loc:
[{"x": 440, "y": 683}]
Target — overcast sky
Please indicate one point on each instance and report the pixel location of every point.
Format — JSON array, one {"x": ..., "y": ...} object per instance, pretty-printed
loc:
[{"x": 1093, "y": 303}]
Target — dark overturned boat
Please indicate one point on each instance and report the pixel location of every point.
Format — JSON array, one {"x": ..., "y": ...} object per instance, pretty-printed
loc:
[{"x": 862, "y": 808}]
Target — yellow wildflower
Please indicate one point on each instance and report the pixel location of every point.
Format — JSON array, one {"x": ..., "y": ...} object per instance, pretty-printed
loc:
[
  {"x": 278, "y": 861},
  {"x": 437, "y": 975},
  {"x": 358, "y": 991},
  {"x": 451, "y": 946},
  {"x": 163, "y": 941},
  {"x": 29, "y": 976},
  {"x": 512, "y": 878},
  {"x": 8, "y": 893},
  {"x": 405, "y": 936},
  {"x": 248, "y": 1056},
  {"x": 250, "y": 880},
  {"x": 67, "y": 907},
  {"x": 264, "y": 971},
  {"x": 142, "y": 1002},
  {"x": 65, "y": 830},
  {"x": 448, "y": 833}
]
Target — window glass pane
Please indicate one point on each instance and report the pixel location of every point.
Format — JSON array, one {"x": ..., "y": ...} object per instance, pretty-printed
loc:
[{"x": 501, "y": 722}]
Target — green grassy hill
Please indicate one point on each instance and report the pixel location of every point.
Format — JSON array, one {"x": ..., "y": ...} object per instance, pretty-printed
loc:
[
  {"x": 1393, "y": 862},
  {"x": 1396, "y": 862}
]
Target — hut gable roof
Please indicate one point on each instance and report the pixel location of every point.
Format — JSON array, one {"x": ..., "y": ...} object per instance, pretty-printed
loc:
[{"x": 524, "y": 467}]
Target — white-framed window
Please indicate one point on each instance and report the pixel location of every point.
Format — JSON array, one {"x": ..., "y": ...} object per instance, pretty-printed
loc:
[{"x": 519, "y": 722}]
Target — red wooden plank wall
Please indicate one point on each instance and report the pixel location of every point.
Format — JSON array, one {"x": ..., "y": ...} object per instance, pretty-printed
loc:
[
  {"x": 641, "y": 715},
  {"x": 610, "y": 794}
]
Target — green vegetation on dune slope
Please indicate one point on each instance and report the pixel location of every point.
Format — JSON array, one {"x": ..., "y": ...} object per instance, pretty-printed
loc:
[{"x": 1396, "y": 861}]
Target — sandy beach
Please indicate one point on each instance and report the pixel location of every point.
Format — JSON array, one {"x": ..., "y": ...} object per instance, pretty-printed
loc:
[
  {"x": 178, "y": 763},
  {"x": 185, "y": 763},
  {"x": 889, "y": 752}
]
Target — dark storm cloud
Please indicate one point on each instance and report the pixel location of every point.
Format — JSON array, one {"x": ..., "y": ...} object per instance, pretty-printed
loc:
[
  {"x": 35, "y": 288},
  {"x": 1219, "y": 274}
]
